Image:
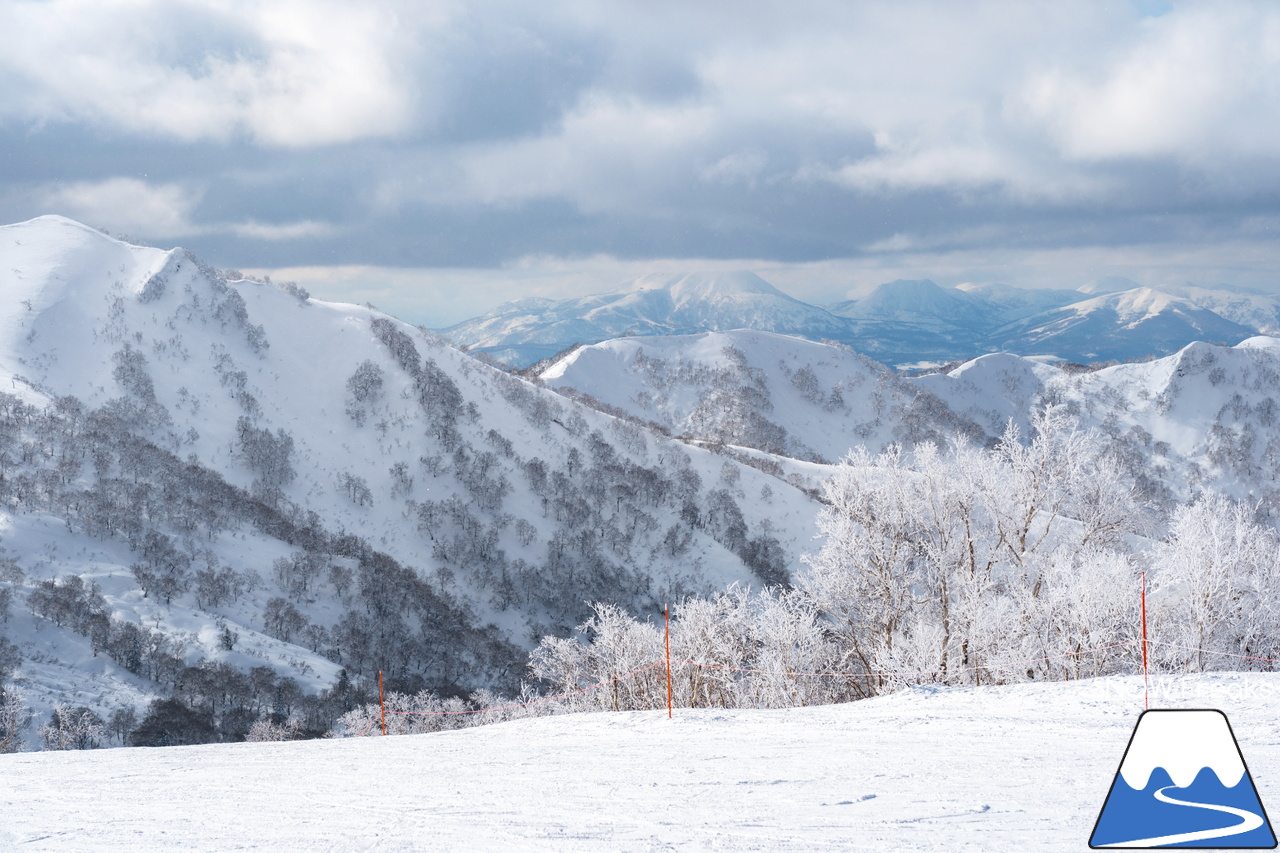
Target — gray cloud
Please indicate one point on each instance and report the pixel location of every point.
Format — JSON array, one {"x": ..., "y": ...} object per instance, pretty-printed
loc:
[{"x": 461, "y": 134}]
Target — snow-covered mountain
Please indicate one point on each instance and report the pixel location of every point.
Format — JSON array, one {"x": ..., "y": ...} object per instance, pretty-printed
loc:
[
  {"x": 1117, "y": 326},
  {"x": 1253, "y": 309},
  {"x": 253, "y": 478},
  {"x": 786, "y": 396},
  {"x": 901, "y": 323},
  {"x": 203, "y": 479},
  {"x": 1204, "y": 417},
  {"x": 527, "y": 330},
  {"x": 1015, "y": 303},
  {"x": 907, "y": 322}
]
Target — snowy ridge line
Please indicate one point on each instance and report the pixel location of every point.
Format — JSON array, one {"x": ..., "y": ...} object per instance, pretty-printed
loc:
[
  {"x": 1211, "y": 651},
  {"x": 918, "y": 672},
  {"x": 526, "y": 704}
]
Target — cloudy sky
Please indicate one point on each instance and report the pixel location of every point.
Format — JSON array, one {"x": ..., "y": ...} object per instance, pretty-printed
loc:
[{"x": 439, "y": 157}]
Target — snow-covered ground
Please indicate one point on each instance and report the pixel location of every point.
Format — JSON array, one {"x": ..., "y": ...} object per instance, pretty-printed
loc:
[{"x": 1002, "y": 769}]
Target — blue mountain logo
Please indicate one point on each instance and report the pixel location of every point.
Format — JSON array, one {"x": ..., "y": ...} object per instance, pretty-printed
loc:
[{"x": 1183, "y": 783}]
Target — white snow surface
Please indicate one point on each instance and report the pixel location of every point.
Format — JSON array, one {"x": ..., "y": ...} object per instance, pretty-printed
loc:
[{"x": 975, "y": 769}]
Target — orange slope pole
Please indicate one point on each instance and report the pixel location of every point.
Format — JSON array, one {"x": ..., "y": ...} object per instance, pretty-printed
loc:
[{"x": 666, "y": 618}]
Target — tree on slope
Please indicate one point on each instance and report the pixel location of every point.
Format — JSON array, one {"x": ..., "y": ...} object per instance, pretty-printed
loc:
[
  {"x": 935, "y": 565},
  {"x": 1217, "y": 580}
]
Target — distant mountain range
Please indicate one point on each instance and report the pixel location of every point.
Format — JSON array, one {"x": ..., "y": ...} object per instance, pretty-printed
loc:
[
  {"x": 901, "y": 323},
  {"x": 527, "y": 330}
]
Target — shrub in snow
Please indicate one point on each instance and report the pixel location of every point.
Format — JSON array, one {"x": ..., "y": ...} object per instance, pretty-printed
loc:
[
  {"x": 72, "y": 728},
  {"x": 364, "y": 387},
  {"x": 266, "y": 731},
  {"x": 170, "y": 723},
  {"x": 14, "y": 717}
]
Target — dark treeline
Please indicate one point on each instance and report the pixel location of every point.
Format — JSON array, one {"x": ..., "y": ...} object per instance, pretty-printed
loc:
[
  {"x": 90, "y": 468},
  {"x": 602, "y": 509}
]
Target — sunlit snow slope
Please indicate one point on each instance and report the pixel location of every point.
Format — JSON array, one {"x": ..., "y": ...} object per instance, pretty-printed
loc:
[
  {"x": 468, "y": 512},
  {"x": 976, "y": 769}
]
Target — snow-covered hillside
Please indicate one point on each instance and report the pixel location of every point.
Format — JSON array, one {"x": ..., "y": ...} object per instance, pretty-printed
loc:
[
  {"x": 1115, "y": 326},
  {"x": 247, "y": 471},
  {"x": 1251, "y": 308},
  {"x": 783, "y": 395},
  {"x": 250, "y": 502},
  {"x": 975, "y": 769},
  {"x": 1203, "y": 417}
]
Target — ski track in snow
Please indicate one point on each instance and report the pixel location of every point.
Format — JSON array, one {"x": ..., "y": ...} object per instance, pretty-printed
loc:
[{"x": 975, "y": 769}]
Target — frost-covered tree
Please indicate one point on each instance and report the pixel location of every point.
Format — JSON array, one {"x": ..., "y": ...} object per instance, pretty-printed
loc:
[
  {"x": 935, "y": 563},
  {"x": 267, "y": 731},
  {"x": 356, "y": 489},
  {"x": 269, "y": 455},
  {"x": 15, "y": 716},
  {"x": 1215, "y": 584},
  {"x": 10, "y": 660},
  {"x": 1071, "y": 603},
  {"x": 364, "y": 388},
  {"x": 298, "y": 573},
  {"x": 618, "y": 650},
  {"x": 72, "y": 728}
]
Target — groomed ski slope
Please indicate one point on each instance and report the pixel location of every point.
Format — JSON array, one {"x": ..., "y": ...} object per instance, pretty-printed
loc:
[{"x": 975, "y": 769}]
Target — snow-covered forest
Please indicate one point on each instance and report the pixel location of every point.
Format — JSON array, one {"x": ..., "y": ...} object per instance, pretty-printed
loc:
[
  {"x": 960, "y": 565},
  {"x": 226, "y": 507}
]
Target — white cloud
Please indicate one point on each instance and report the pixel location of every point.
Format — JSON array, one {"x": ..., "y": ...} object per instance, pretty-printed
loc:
[
  {"x": 607, "y": 154},
  {"x": 286, "y": 73},
  {"x": 801, "y": 129},
  {"x": 125, "y": 205},
  {"x": 1197, "y": 84},
  {"x": 280, "y": 231},
  {"x": 158, "y": 211},
  {"x": 740, "y": 167},
  {"x": 1033, "y": 102}
]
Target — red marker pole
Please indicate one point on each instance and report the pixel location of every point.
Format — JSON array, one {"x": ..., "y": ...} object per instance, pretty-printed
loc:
[
  {"x": 666, "y": 618},
  {"x": 1146, "y": 678},
  {"x": 382, "y": 700}
]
